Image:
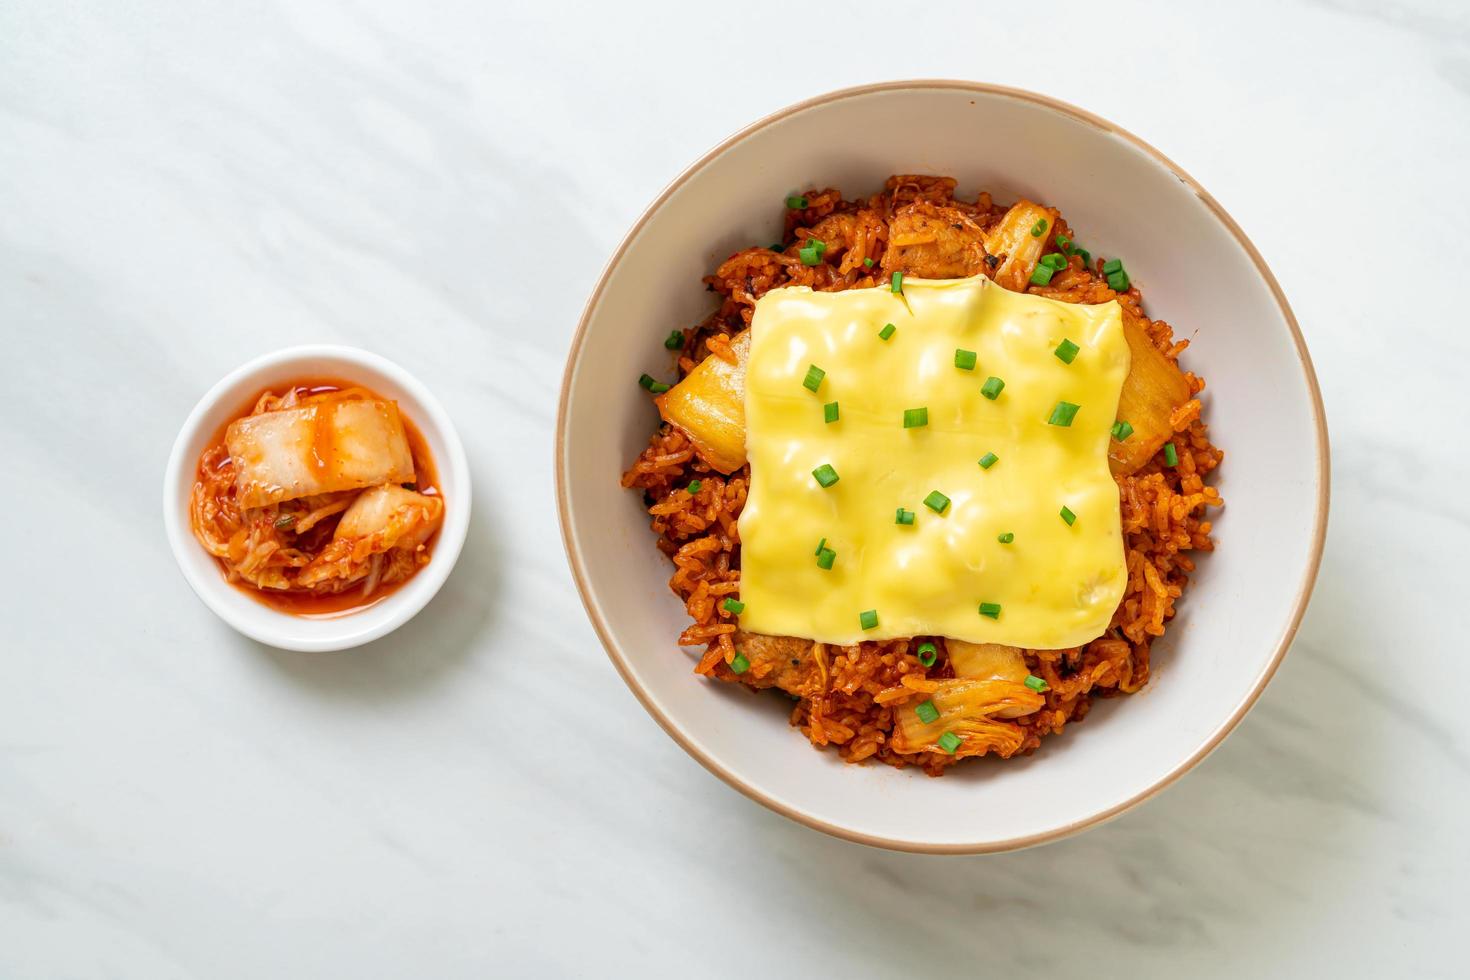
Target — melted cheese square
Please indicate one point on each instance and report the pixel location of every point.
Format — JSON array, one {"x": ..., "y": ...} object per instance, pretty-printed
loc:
[{"x": 1057, "y": 585}]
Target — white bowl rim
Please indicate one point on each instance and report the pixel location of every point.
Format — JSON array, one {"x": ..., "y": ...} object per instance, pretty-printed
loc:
[
  {"x": 399, "y": 607},
  {"x": 1304, "y": 590}
]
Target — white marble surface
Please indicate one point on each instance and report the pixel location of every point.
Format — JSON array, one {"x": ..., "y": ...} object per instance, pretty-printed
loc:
[{"x": 184, "y": 187}]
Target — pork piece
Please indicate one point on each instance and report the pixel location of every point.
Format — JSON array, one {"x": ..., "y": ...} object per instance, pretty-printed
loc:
[
  {"x": 320, "y": 447},
  {"x": 792, "y": 665},
  {"x": 932, "y": 241}
]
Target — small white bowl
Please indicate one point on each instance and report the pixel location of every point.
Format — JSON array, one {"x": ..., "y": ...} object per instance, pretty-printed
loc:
[
  {"x": 1197, "y": 270},
  {"x": 222, "y": 402}
]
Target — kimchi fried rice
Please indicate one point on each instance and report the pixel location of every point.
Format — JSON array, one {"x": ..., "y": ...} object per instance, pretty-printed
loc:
[{"x": 846, "y": 697}]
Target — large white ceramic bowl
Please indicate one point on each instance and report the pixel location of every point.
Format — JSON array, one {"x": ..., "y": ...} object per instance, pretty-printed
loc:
[
  {"x": 223, "y": 403},
  {"x": 1196, "y": 269}
]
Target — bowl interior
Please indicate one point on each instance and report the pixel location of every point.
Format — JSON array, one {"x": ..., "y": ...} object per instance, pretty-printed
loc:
[
  {"x": 1195, "y": 272},
  {"x": 224, "y": 403}
]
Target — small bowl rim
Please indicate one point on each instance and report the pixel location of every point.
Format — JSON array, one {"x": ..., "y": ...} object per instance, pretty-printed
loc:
[
  {"x": 1304, "y": 590},
  {"x": 397, "y": 608}
]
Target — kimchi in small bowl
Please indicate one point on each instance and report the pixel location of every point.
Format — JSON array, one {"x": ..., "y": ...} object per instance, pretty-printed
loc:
[{"x": 317, "y": 498}]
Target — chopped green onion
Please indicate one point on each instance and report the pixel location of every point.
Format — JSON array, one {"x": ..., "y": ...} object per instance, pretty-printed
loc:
[
  {"x": 796, "y": 202},
  {"x": 928, "y": 653},
  {"x": 740, "y": 664},
  {"x": 868, "y": 263},
  {"x": 825, "y": 558},
  {"x": 777, "y": 247},
  {"x": 825, "y": 475},
  {"x": 1118, "y": 282},
  {"x": 1064, "y": 243},
  {"x": 868, "y": 619},
  {"x": 1086, "y": 255},
  {"x": 903, "y": 516},
  {"x": 694, "y": 486},
  {"x": 1066, "y": 351},
  {"x": 927, "y": 713},
  {"x": 896, "y": 282},
  {"x": 829, "y": 412},
  {"x": 992, "y": 387},
  {"x": 1171, "y": 455},
  {"x": 1055, "y": 261},
  {"x": 733, "y": 606},
  {"x": 1039, "y": 228},
  {"x": 1122, "y": 430},
  {"x": 1007, "y": 537},
  {"x": 1111, "y": 266},
  {"x": 887, "y": 331},
  {"x": 988, "y": 460},
  {"x": 813, "y": 379},
  {"x": 1063, "y": 414},
  {"x": 675, "y": 340},
  {"x": 287, "y": 521},
  {"x": 914, "y": 418},
  {"x": 1035, "y": 683},
  {"x": 1068, "y": 516},
  {"x": 1042, "y": 274},
  {"x": 811, "y": 253},
  {"x": 964, "y": 359},
  {"x": 990, "y": 610},
  {"x": 821, "y": 546},
  {"x": 657, "y": 387},
  {"x": 937, "y": 502},
  {"x": 949, "y": 741}
]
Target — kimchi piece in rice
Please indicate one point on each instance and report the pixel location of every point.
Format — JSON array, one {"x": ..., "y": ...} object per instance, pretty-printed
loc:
[
  {"x": 322, "y": 498},
  {"x": 926, "y": 701}
]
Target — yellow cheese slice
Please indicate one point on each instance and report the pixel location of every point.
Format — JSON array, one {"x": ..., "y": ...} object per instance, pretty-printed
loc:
[{"x": 1057, "y": 585}]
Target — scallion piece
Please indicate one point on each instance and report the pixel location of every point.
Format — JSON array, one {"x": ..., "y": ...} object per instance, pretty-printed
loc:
[
  {"x": 868, "y": 263},
  {"x": 988, "y": 460},
  {"x": 825, "y": 475},
  {"x": 777, "y": 246},
  {"x": 1086, "y": 255},
  {"x": 1007, "y": 537},
  {"x": 1066, "y": 351},
  {"x": 675, "y": 340},
  {"x": 657, "y": 387},
  {"x": 1111, "y": 266},
  {"x": 990, "y": 610},
  {"x": 914, "y": 418},
  {"x": 1042, "y": 274},
  {"x": 1063, "y": 414},
  {"x": 1067, "y": 515},
  {"x": 1038, "y": 229},
  {"x": 1122, "y": 430},
  {"x": 795, "y": 202},
  {"x": 733, "y": 606},
  {"x": 811, "y": 253},
  {"x": 927, "y": 713},
  {"x": 964, "y": 359},
  {"x": 1035, "y": 683},
  {"x": 740, "y": 663},
  {"x": 887, "y": 331},
  {"x": 949, "y": 741},
  {"x": 694, "y": 486},
  {"x": 868, "y": 619},
  {"x": 829, "y": 412},
  {"x": 825, "y": 558},
  {"x": 820, "y": 545},
  {"x": 902, "y": 516},
  {"x": 992, "y": 388},
  {"x": 1055, "y": 261},
  {"x": 928, "y": 653},
  {"x": 1064, "y": 243},
  {"x": 1171, "y": 455},
  {"x": 813, "y": 379},
  {"x": 1118, "y": 282},
  {"x": 284, "y": 522},
  {"x": 896, "y": 282},
  {"x": 937, "y": 502}
]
